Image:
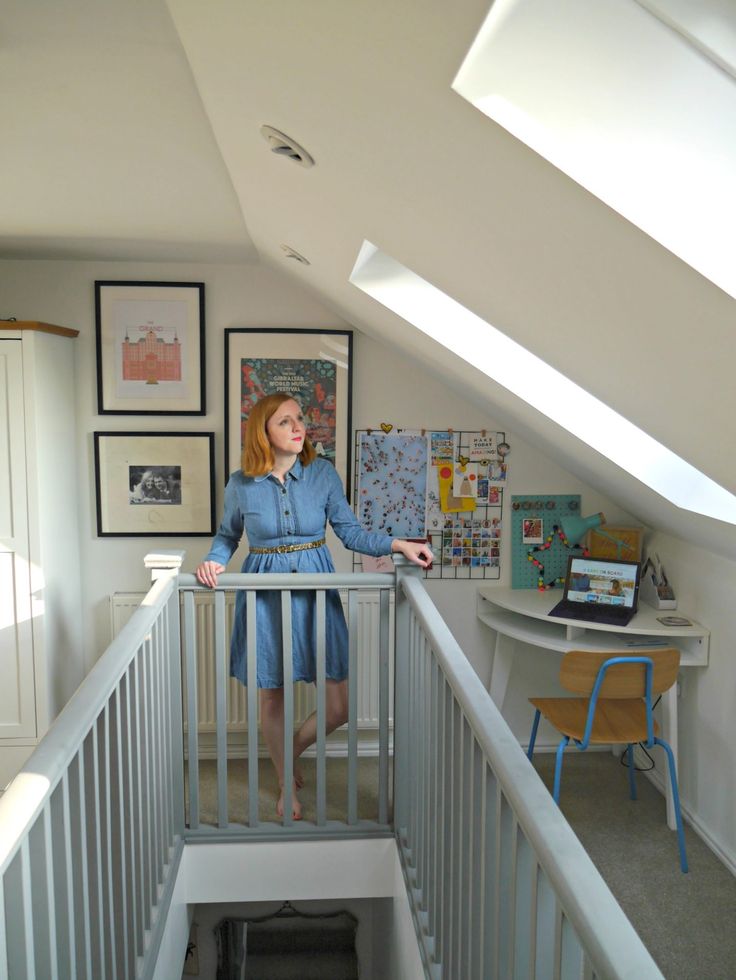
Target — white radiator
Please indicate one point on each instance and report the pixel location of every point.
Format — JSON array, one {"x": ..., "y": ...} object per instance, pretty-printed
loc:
[{"x": 124, "y": 604}]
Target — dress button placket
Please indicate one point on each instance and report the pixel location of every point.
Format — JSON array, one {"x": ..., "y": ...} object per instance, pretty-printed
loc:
[{"x": 286, "y": 518}]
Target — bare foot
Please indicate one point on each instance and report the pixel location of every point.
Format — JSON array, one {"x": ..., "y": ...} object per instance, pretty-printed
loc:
[{"x": 296, "y": 807}]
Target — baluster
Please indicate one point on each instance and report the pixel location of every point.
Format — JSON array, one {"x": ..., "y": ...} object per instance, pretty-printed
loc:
[
  {"x": 252, "y": 673},
  {"x": 321, "y": 747},
  {"x": 288, "y": 666},
  {"x": 352, "y": 707},
  {"x": 190, "y": 648},
  {"x": 383, "y": 704},
  {"x": 221, "y": 708}
]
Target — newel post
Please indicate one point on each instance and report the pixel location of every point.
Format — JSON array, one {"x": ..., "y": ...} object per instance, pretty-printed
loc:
[
  {"x": 164, "y": 563},
  {"x": 402, "y": 643},
  {"x": 167, "y": 564}
]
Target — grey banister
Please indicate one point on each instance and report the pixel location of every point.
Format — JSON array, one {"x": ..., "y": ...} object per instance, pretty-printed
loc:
[
  {"x": 404, "y": 570},
  {"x": 264, "y": 580},
  {"x": 615, "y": 949},
  {"x": 25, "y": 795}
]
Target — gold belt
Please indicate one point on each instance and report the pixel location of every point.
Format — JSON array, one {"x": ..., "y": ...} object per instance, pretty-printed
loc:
[{"x": 285, "y": 549}]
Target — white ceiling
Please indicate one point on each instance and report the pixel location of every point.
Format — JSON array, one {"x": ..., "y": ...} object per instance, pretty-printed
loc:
[
  {"x": 132, "y": 132},
  {"x": 107, "y": 151}
]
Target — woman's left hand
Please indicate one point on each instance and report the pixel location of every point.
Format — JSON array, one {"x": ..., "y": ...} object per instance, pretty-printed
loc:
[{"x": 416, "y": 552}]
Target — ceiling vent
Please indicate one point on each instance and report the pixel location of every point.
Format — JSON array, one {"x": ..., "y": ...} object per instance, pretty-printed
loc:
[
  {"x": 285, "y": 146},
  {"x": 291, "y": 253}
]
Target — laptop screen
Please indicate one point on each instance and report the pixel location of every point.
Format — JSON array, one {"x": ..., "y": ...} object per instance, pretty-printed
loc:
[{"x": 602, "y": 581}]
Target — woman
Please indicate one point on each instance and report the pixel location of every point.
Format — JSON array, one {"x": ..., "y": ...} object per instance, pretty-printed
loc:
[
  {"x": 282, "y": 498},
  {"x": 144, "y": 491}
]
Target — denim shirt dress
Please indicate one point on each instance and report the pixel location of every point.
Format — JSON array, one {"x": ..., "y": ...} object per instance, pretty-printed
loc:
[{"x": 272, "y": 514}]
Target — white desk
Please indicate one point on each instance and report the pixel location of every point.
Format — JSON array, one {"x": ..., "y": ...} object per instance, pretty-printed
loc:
[{"x": 521, "y": 615}]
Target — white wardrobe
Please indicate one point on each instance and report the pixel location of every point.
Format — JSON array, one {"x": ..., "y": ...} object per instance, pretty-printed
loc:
[{"x": 41, "y": 655}]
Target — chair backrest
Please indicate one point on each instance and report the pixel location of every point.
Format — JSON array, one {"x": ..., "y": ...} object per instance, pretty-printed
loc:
[{"x": 580, "y": 668}]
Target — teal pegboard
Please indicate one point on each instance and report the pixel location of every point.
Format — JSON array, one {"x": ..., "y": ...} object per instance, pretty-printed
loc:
[{"x": 549, "y": 509}]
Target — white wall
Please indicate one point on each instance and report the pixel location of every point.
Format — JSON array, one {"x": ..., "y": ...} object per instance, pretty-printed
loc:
[
  {"x": 388, "y": 386},
  {"x": 706, "y": 586}
]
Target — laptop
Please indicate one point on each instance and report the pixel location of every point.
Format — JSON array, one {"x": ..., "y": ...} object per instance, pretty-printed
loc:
[{"x": 599, "y": 590}]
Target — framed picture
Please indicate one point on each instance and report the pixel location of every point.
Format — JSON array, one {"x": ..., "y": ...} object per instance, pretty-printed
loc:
[
  {"x": 624, "y": 543},
  {"x": 150, "y": 348},
  {"x": 315, "y": 366},
  {"x": 156, "y": 484}
]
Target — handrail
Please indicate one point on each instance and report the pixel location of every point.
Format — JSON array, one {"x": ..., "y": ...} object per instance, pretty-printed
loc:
[
  {"x": 103, "y": 793},
  {"x": 605, "y": 932},
  {"x": 26, "y": 794},
  {"x": 310, "y": 580}
]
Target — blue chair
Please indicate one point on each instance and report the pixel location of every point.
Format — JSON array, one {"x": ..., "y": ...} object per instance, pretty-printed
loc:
[{"x": 615, "y": 708}]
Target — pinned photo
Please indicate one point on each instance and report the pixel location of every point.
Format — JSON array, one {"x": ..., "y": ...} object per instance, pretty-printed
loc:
[{"x": 533, "y": 530}]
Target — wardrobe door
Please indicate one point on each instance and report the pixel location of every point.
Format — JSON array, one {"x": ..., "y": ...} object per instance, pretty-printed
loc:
[{"x": 17, "y": 690}]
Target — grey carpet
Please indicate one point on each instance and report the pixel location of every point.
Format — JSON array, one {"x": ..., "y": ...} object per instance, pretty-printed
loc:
[
  {"x": 336, "y": 791},
  {"x": 686, "y": 921}
]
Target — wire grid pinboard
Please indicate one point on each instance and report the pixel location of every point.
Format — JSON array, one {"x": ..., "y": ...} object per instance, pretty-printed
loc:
[{"x": 445, "y": 486}]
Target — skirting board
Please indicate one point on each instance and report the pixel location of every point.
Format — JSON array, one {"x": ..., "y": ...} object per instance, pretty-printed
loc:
[{"x": 654, "y": 776}]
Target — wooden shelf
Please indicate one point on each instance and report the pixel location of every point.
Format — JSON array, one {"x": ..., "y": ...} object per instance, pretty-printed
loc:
[{"x": 21, "y": 325}]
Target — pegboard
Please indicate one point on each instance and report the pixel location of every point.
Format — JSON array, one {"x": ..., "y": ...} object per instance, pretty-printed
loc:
[
  {"x": 403, "y": 494},
  {"x": 547, "y": 510}
]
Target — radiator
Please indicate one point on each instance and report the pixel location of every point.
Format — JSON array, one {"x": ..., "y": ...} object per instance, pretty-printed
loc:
[{"x": 124, "y": 604}]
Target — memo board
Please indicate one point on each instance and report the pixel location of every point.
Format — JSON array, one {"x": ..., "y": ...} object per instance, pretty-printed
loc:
[
  {"x": 442, "y": 485},
  {"x": 538, "y": 515}
]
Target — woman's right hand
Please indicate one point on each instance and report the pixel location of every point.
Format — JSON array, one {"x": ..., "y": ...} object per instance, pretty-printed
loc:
[{"x": 208, "y": 571}]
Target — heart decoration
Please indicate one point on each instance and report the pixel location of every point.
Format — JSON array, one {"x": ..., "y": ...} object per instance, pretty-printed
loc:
[
  {"x": 463, "y": 460},
  {"x": 386, "y": 426}
]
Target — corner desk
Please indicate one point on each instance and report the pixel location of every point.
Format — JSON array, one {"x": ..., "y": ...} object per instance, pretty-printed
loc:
[{"x": 522, "y": 616}]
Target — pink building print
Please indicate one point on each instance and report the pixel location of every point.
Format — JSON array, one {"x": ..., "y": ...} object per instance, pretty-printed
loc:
[{"x": 151, "y": 359}]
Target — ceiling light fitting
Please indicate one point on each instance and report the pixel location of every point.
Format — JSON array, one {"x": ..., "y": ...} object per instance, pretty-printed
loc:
[{"x": 285, "y": 146}]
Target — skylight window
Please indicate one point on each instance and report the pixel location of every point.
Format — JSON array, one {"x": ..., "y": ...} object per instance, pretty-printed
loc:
[
  {"x": 635, "y": 101},
  {"x": 532, "y": 379}
]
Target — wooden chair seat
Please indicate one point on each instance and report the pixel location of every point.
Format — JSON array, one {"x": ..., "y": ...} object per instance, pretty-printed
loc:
[{"x": 615, "y": 721}]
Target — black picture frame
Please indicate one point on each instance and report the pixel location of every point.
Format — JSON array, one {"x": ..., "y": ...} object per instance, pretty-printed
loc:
[
  {"x": 155, "y": 484},
  {"x": 150, "y": 347},
  {"x": 313, "y": 364}
]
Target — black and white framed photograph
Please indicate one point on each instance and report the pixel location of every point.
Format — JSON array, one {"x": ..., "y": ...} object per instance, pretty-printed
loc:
[
  {"x": 155, "y": 483},
  {"x": 315, "y": 366},
  {"x": 150, "y": 348}
]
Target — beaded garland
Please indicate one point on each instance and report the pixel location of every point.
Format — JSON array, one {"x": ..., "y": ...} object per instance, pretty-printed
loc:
[{"x": 543, "y": 586}]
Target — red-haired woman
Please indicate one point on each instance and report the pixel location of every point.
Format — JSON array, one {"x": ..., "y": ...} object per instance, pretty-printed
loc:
[{"x": 282, "y": 498}]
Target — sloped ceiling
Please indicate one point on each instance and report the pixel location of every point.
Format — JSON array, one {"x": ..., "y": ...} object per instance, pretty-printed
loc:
[{"x": 118, "y": 147}]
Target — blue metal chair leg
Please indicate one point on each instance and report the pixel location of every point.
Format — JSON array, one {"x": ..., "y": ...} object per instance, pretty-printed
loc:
[
  {"x": 632, "y": 771},
  {"x": 558, "y": 769},
  {"x": 533, "y": 736},
  {"x": 676, "y": 801}
]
